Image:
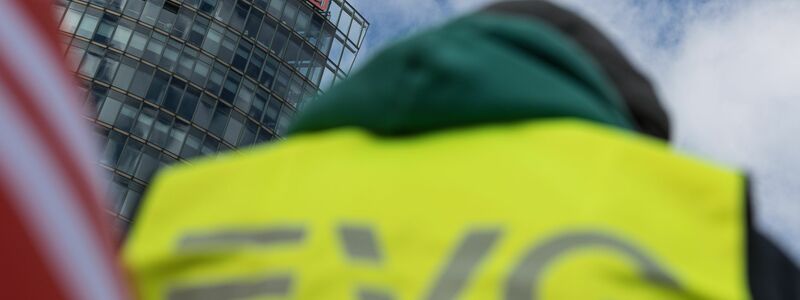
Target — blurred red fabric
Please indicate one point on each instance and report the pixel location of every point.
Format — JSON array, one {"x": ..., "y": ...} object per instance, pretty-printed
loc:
[{"x": 55, "y": 241}]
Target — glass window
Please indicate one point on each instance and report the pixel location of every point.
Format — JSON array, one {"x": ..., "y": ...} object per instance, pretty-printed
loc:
[
  {"x": 224, "y": 10},
  {"x": 304, "y": 61},
  {"x": 327, "y": 79},
  {"x": 202, "y": 116},
  {"x": 127, "y": 114},
  {"x": 344, "y": 22},
  {"x": 336, "y": 51},
  {"x": 134, "y": 8},
  {"x": 199, "y": 28},
  {"x": 242, "y": 55},
  {"x": 151, "y": 10},
  {"x": 107, "y": 68},
  {"x": 110, "y": 109},
  {"x": 303, "y": 20},
  {"x": 189, "y": 103},
  {"x": 191, "y": 3},
  {"x": 245, "y": 96},
  {"x": 215, "y": 79},
  {"x": 125, "y": 73},
  {"x": 334, "y": 10},
  {"x": 325, "y": 38},
  {"x": 117, "y": 193},
  {"x": 263, "y": 136},
  {"x": 161, "y": 129},
  {"x": 290, "y": 13},
  {"x": 141, "y": 81},
  {"x": 154, "y": 47},
  {"x": 284, "y": 120},
  {"x": 270, "y": 118},
  {"x": 138, "y": 41},
  {"x": 219, "y": 120},
  {"x": 131, "y": 203},
  {"x": 168, "y": 15},
  {"x": 295, "y": 91},
  {"x": 268, "y": 72},
  {"x": 96, "y": 99},
  {"x": 210, "y": 145},
  {"x": 89, "y": 23},
  {"x": 201, "y": 70},
  {"x": 292, "y": 51},
  {"x": 207, "y": 6},
  {"x": 235, "y": 124},
  {"x": 71, "y": 20},
  {"x": 314, "y": 29},
  {"x": 130, "y": 156},
  {"x": 253, "y": 22},
  {"x": 186, "y": 62},
  {"x": 348, "y": 57},
  {"x": 255, "y": 63},
  {"x": 193, "y": 143},
  {"x": 170, "y": 56},
  {"x": 355, "y": 30},
  {"x": 147, "y": 163},
  {"x": 261, "y": 4},
  {"x": 106, "y": 29},
  {"x": 230, "y": 87},
  {"x": 116, "y": 5},
  {"x": 281, "y": 36},
  {"x": 239, "y": 15},
  {"x": 276, "y": 7},
  {"x": 259, "y": 101},
  {"x": 267, "y": 32},
  {"x": 228, "y": 47},
  {"x": 249, "y": 134},
  {"x": 182, "y": 22},
  {"x": 174, "y": 94},
  {"x": 176, "y": 136},
  {"x": 309, "y": 91},
  {"x": 317, "y": 65},
  {"x": 213, "y": 39},
  {"x": 122, "y": 35},
  {"x": 113, "y": 148},
  {"x": 282, "y": 81},
  {"x": 145, "y": 121},
  {"x": 158, "y": 87},
  {"x": 91, "y": 60}
]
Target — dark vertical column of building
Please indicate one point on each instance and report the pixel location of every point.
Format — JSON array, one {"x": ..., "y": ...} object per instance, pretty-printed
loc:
[{"x": 170, "y": 80}]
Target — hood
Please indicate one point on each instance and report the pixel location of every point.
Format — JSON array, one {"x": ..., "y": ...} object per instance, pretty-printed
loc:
[{"x": 484, "y": 68}]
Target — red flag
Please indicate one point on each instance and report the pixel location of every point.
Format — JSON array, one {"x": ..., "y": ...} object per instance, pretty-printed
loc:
[{"x": 54, "y": 240}]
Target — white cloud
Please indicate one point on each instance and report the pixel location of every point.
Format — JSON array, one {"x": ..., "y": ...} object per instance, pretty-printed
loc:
[
  {"x": 733, "y": 88},
  {"x": 729, "y": 72}
]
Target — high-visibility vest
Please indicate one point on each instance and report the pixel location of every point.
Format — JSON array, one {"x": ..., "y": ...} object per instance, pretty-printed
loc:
[{"x": 560, "y": 209}]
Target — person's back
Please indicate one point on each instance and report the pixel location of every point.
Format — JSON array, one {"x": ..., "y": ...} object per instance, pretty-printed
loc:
[{"x": 496, "y": 157}]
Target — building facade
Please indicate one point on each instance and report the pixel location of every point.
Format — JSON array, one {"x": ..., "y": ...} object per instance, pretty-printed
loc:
[{"x": 171, "y": 80}]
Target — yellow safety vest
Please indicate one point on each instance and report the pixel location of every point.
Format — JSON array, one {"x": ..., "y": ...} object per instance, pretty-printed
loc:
[{"x": 560, "y": 209}]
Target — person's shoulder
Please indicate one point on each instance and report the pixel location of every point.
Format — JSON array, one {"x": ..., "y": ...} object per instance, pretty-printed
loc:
[{"x": 249, "y": 162}]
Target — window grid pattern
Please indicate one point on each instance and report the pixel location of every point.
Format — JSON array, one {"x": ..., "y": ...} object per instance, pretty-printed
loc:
[{"x": 167, "y": 81}]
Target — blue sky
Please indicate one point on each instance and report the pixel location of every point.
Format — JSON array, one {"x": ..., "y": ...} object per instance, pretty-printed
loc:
[{"x": 727, "y": 72}]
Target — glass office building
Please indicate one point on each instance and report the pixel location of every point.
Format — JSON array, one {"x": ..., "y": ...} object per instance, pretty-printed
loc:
[{"x": 171, "y": 80}]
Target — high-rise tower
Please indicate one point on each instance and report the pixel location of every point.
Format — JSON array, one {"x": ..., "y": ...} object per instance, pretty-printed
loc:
[{"x": 170, "y": 80}]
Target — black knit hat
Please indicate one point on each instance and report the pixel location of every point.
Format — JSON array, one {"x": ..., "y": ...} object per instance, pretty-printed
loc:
[{"x": 633, "y": 87}]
